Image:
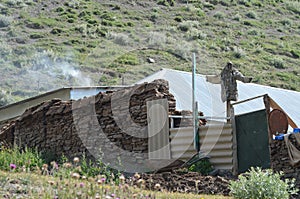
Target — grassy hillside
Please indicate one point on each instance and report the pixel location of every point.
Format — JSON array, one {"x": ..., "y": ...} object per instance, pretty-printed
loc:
[{"x": 47, "y": 44}]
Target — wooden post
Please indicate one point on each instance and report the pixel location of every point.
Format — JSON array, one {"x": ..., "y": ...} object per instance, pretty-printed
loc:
[
  {"x": 268, "y": 109},
  {"x": 235, "y": 168},
  {"x": 228, "y": 110}
]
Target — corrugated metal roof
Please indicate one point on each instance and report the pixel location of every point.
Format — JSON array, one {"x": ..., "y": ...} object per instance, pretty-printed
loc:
[{"x": 208, "y": 95}]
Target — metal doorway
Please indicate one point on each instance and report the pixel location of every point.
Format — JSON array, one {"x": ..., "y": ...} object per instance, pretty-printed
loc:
[{"x": 252, "y": 140}]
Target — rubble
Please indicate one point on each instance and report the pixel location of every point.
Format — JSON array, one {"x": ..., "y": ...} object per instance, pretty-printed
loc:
[
  {"x": 183, "y": 182},
  {"x": 280, "y": 160}
]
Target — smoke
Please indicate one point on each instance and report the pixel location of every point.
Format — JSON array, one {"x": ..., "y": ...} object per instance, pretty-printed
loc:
[
  {"x": 50, "y": 72},
  {"x": 69, "y": 71}
]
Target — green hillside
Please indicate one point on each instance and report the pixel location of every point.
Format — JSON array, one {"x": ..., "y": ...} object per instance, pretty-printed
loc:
[{"x": 48, "y": 44}]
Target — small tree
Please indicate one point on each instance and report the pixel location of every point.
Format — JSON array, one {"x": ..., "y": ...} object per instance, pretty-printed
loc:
[{"x": 262, "y": 184}]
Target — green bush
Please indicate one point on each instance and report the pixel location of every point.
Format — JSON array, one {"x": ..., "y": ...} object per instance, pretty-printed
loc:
[
  {"x": 262, "y": 184},
  {"x": 251, "y": 15},
  {"x": 203, "y": 166},
  {"x": 166, "y": 2},
  {"x": 277, "y": 63}
]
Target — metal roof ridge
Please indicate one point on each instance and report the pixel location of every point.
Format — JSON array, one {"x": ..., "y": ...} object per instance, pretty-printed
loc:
[
  {"x": 35, "y": 97},
  {"x": 275, "y": 88},
  {"x": 180, "y": 71},
  {"x": 84, "y": 87},
  {"x": 260, "y": 85},
  {"x": 56, "y": 90}
]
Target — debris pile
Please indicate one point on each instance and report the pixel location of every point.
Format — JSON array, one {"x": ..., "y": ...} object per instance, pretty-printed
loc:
[
  {"x": 280, "y": 160},
  {"x": 183, "y": 182}
]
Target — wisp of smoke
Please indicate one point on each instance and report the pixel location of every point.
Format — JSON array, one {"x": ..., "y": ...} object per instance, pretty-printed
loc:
[
  {"x": 52, "y": 73},
  {"x": 77, "y": 74}
]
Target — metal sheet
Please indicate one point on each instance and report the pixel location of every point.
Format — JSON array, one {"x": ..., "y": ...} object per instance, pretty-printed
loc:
[
  {"x": 215, "y": 139},
  {"x": 252, "y": 140},
  {"x": 208, "y": 95},
  {"x": 158, "y": 129}
]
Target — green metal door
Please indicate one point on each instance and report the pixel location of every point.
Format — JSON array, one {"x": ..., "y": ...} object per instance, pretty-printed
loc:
[{"x": 252, "y": 140}]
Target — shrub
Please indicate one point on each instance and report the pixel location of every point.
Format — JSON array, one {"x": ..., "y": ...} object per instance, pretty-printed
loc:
[
  {"x": 128, "y": 59},
  {"x": 238, "y": 52},
  {"x": 219, "y": 15},
  {"x": 253, "y": 32},
  {"x": 295, "y": 53},
  {"x": 277, "y": 63},
  {"x": 262, "y": 184},
  {"x": 56, "y": 31},
  {"x": 208, "y": 6},
  {"x": 237, "y": 17},
  {"x": 156, "y": 39},
  {"x": 60, "y": 9},
  {"x": 166, "y": 2},
  {"x": 5, "y": 21},
  {"x": 293, "y": 6},
  {"x": 286, "y": 22},
  {"x": 186, "y": 25},
  {"x": 120, "y": 38},
  {"x": 251, "y": 15},
  {"x": 203, "y": 166},
  {"x": 248, "y": 23},
  {"x": 36, "y": 36}
]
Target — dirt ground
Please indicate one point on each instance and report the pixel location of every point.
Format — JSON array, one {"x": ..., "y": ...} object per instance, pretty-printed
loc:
[{"x": 183, "y": 182}]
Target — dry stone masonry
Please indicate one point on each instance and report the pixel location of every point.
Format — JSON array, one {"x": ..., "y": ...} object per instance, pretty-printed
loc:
[{"x": 109, "y": 124}]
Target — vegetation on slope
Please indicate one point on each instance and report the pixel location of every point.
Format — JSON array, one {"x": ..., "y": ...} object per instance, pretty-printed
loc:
[{"x": 51, "y": 44}]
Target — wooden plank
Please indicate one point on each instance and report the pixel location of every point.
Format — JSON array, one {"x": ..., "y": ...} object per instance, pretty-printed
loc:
[{"x": 268, "y": 108}]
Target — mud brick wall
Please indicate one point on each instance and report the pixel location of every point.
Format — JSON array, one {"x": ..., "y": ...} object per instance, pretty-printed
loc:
[
  {"x": 280, "y": 160},
  {"x": 109, "y": 123}
]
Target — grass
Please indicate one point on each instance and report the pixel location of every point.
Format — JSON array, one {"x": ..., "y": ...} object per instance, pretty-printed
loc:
[
  {"x": 97, "y": 34},
  {"x": 30, "y": 185},
  {"x": 24, "y": 174}
]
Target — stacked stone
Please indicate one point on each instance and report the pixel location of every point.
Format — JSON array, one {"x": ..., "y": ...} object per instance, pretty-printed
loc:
[
  {"x": 187, "y": 122},
  {"x": 112, "y": 124},
  {"x": 280, "y": 160},
  {"x": 7, "y": 134}
]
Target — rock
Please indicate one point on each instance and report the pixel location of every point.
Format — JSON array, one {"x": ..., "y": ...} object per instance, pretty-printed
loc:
[{"x": 150, "y": 60}]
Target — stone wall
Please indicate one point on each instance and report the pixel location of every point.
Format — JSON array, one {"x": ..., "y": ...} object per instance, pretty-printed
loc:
[
  {"x": 280, "y": 160},
  {"x": 108, "y": 126}
]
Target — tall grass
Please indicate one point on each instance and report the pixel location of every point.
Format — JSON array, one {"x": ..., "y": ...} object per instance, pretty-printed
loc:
[{"x": 16, "y": 159}]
